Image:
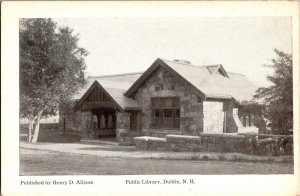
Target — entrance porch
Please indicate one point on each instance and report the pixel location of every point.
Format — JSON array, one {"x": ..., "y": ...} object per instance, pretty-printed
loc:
[
  {"x": 104, "y": 115},
  {"x": 109, "y": 124},
  {"x": 104, "y": 123}
]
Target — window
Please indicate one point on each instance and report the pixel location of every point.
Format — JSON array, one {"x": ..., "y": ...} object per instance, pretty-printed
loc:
[
  {"x": 168, "y": 113},
  {"x": 156, "y": 113},
  {"x": 177, "y": 113},
  {"x": 158, "y": 87},
  {"x": 165, "y": 112},
  {"x": 172, "y": 87}
]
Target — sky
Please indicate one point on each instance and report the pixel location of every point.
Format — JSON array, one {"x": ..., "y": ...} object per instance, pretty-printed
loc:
[{"x": 131, "y": 44}]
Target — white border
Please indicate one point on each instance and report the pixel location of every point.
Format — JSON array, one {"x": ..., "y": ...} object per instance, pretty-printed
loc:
[{"x": 219, "y": 184}]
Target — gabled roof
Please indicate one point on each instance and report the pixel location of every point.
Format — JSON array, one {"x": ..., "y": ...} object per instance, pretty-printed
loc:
[
  {"x": 175, "y": 70},
  {"x": 115, "y": 86},
  {"x": 204, "y": 80}
]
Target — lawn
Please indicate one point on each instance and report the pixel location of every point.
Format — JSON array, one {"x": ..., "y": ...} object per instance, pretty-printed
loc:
[
  {"x": 36, "y": 162},
  {"x": 43, "y": 162}
]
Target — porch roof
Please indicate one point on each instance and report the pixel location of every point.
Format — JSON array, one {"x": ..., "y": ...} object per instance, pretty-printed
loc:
[
  {"x": 115, "y": 86},
  {"x": 116, "y": 90}
]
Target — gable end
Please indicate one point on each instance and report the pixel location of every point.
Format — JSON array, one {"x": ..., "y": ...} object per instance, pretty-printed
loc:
[
  {"x": 96, "y": 93},
  {"x": 151, "y": 69}
]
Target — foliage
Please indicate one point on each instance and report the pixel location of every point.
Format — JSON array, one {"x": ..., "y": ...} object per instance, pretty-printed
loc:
[
  {"x": 270, "y": 146},
  {"x": 51, "y": 67},
  {"x": 279, "y": 96}
]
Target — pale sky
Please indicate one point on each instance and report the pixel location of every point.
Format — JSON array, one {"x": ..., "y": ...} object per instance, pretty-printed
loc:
[{"x": 132, "y": 44}]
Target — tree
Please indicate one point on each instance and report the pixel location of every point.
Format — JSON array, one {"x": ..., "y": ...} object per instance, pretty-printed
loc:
[
  {"x": 279, "y": 96},
  {"x": 51, "y": 69}
]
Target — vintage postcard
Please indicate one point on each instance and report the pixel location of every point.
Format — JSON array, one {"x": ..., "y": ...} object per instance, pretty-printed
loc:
[{"x": 150, "y": 98}]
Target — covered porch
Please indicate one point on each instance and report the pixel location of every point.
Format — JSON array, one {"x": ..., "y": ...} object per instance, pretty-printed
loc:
[
  {"x": 104, "y": 117},
  {"x": 104, "y": 122}
]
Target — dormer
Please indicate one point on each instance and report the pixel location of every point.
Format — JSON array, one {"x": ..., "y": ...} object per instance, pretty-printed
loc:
[{"x": 217, "y": 69}]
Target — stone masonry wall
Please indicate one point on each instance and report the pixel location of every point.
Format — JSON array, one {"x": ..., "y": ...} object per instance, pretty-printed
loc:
[
  {"x": 237, "y": 120},
  {"x": 123, "y": 128},
  {"x": 191, "y": 115},
  {"x": 231, "y": 124},
  {"x": 203, "y": 143},
  {"x": 213, "y": 117},
  {"x": 86, "y": 125},
  {"x": 257, "y": 144}
]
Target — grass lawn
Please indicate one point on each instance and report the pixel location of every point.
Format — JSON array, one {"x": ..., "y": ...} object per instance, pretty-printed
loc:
[
  {"x": 47, "y": 163},
  {"x": 42, "y": 162}
]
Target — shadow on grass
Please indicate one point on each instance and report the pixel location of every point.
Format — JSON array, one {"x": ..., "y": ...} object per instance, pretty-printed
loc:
[{"x": 59, "y": 138}]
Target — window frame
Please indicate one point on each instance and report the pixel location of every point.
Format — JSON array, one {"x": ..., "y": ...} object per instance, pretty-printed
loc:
[{"x": 163, "y": 120}]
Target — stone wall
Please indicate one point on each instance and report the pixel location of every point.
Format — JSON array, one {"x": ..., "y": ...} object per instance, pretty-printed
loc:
[
  {"x": 160, "y": 133},
  {"x": 87, "y": 125},
  {"x": 203, "y": 143},
  {"x": 152, "y": 143},
  {"x": 237, "y": 121},
  {"x": 213, "y": 120},
  {"x": 257, "y": 144},
  {"x": 231, "y": 114},
  {"x": 123, "y": 133},
  {"x": 191, "y": 115}
]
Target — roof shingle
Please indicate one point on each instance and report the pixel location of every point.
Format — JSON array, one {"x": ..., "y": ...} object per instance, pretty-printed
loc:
[
  {"x": 115, "y": 85},
  {"x": 236, "y": 86}
]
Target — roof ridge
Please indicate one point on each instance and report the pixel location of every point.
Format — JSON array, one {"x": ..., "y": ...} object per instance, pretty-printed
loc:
[
  {"x": 121, "y": 74},
  {"x": 192, "y": 65},
  {"x": 112, "y": 81},
  {"x": 235, "y": 73}
]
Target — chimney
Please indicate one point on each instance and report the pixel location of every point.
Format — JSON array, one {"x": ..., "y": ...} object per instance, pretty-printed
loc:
[{"x": 182, "y": 61}]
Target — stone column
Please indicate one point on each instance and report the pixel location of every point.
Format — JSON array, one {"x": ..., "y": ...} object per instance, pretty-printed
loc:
[
  {"x": 231, "y": 126},
  {"x": 123, "y": 127},
  {"x": 86, "y": 125},
  {"x": 237, "y": 120}
]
